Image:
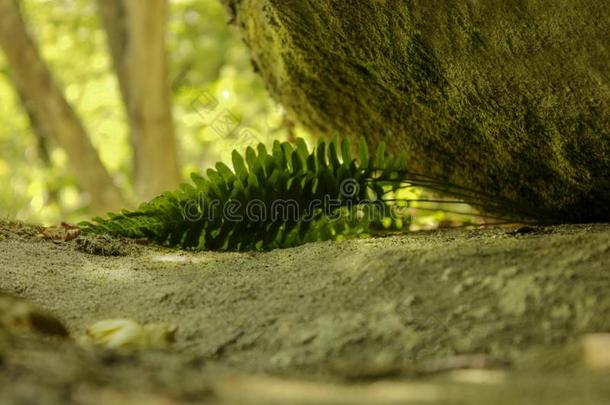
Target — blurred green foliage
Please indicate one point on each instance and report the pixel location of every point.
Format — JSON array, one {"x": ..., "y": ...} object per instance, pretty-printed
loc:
[{"x": 219, "y": 103}]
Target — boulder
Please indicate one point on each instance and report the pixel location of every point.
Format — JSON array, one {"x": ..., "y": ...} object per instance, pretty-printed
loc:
[{"x": 511, "y": 98}]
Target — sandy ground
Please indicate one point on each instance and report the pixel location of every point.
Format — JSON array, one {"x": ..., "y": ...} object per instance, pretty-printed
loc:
[{"x": 386, "y": 320}]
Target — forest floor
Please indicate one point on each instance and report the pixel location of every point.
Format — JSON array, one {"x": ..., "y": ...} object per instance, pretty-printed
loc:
[{"x": 461, "y": 316}]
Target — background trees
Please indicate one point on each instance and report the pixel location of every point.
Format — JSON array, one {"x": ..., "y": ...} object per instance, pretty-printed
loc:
[
  {"x": 105, "y": 103},
  {"x": 49, "y": 109}
]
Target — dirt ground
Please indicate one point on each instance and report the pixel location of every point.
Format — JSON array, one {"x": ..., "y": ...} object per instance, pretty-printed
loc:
[{"x": 450, "y": 316}]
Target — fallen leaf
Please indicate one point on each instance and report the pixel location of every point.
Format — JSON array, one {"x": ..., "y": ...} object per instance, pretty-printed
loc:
[
  {"x": 62, "y": 233},
  {"x": 126, "y": 333}
]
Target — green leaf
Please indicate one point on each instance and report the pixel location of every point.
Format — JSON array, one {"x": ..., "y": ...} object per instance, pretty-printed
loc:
[
  {"x": 364, "y": 154},
  {"x": 225, "y": 172},
  {"x": 333, "y": 158},
  {"x": 380, "y": 157},
  {"x": 239, "y": 165},
  {"x": 321, "y": 155},
  {"x": 251, "y": 157},
  {"x": 278, "y": 155},
  {"x": 346, "y": 151}
]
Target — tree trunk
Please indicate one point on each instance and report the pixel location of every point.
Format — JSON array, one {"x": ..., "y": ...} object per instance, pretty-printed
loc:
[
  {"x": 40, "y": 130},
  {"x": 136, "y": 37},
  {"x": 112, "y": 13},
  {"x": 37, "y": 125},
  {"x": 45, "y": 99},
  {"x": 511, "y": 98}
]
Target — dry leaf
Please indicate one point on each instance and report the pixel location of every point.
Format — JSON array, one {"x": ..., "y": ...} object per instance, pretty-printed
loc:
[
  {"x": 62, "y": 233},
  {"x": 126, "y": 333}
]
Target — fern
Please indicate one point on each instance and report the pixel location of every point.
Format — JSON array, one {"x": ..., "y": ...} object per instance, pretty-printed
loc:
[{"x": 286, "y": 197}]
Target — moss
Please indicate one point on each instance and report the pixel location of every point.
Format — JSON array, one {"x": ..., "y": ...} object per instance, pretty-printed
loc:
[{"x": 510, "y": 98}]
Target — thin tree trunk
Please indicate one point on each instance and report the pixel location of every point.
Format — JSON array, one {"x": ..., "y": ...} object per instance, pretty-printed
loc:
[
  {"x": 37, "y": 125},
  {"x": 113, "y": 17},
  {"x": 136, "y": 37},
  {"x": 41, "y": 131},
  {"x": 37, "y": 86}
]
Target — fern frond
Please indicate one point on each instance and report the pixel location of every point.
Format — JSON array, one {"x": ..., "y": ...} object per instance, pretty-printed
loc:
[{"x": 281, "y": 198}]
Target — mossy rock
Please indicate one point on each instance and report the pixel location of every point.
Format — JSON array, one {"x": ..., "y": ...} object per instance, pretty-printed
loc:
[{"x": 510, "y": 98}]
